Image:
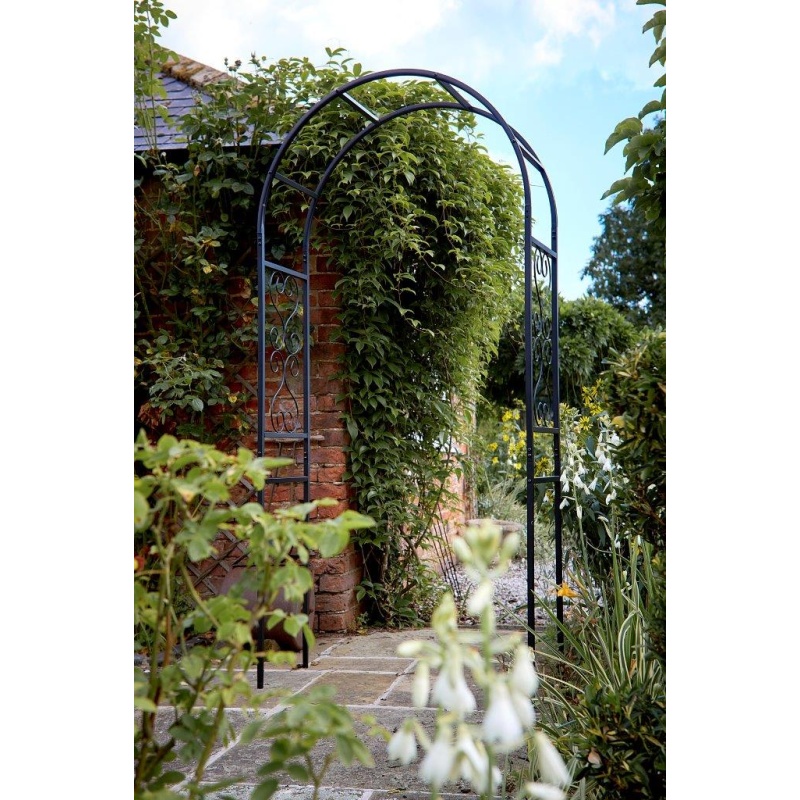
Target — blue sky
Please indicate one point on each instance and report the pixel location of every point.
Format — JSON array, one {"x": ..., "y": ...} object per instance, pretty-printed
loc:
[{"x": 562, "y": 72}]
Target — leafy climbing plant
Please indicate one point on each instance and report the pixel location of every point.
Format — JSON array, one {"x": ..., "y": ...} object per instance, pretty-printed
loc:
[{"x": 424, "y": 229}]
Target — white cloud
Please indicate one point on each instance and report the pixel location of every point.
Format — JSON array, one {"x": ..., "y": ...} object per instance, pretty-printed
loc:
[
  {"x": 562, "y": 18},
  {"x": 366, "y": 26},
  {"x": 556, "y": 21}
]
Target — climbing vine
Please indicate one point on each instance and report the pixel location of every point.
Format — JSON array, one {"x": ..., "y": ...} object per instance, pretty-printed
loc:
[{"x": 424, "y": 229}]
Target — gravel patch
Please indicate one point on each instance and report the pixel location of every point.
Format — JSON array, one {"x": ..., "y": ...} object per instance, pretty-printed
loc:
[{"x": 510, "y": 591}]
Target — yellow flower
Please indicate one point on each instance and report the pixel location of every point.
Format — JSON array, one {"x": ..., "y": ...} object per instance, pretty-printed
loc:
[
  {"x": 507, "y": 416},
  {"x": 493, "y": 446},
  {"x": 495, "y": 460},
  {"x": 505, "y": 437},
  {"x": 565, "y": 591}
]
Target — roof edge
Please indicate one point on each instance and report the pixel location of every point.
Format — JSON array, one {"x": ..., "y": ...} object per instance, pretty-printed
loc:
[{"x": 193, "y": 72}]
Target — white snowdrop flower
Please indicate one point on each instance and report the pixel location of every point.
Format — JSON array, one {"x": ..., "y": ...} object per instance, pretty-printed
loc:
[
  {"x": 551, "y": 766},
  {"x": 593, "y": 484},
  {"x": 462, "y": 550},
  {"x": 501, "y": 724},
  {"x": 402, "y": 746},
  {"x": 523, "y": 674},
  {"x": 421, "y": 686},
  {"x": 410, "y": 649},
  {"x": 473, "y": 762},
  {"x": 564, "y": 503},
  {"x": 543, "y": 791},
  {"x": 450, "y": 691},
  {"x": 524, "y": 708},
  {"x": 480, "y": 598},
  {"x": 510, "y": 546},
  {"x": 579, "y": 511},
  {"x": 437, "y": 764}
]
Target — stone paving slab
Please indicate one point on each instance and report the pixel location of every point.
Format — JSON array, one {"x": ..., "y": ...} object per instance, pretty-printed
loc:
[
  {"x": 380, "y": 644},
  {"x": 357, "y": 688},
  {"x": 362, "y": 664}
]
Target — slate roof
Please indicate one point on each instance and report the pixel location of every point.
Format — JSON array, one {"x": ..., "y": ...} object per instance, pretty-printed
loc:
[{"x": 183, "y": 81}]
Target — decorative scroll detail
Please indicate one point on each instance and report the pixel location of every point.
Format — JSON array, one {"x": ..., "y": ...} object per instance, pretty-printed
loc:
[
  {"x": 542, "y": 340},
  {"x": 284, "y": 351}
]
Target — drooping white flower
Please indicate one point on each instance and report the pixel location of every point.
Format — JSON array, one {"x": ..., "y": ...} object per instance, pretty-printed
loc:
[
  {"x": 402, "y": 746},
  {"x": 450, "y": 690},
  {"x": 523, "y": 708},
  {"x": 436, "y": 766},
  {"x": 480, "y": 598},
  {"x": 551, "y": 766},
  {"x": 410, "y": 649},
  {"x": 523, "y": 674},
  {"x": 472, "y": 761},
  {"x": 501, "y": 724},
  {"x": 543, "y": 791},
  {"x": 462, "y": 550},
  {"x": 421, "y": 686}
]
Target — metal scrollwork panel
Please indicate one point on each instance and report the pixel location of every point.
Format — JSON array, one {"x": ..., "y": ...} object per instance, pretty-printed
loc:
[
  {"x": 284, "y": 320},
  {"x": 542, "y": 339}
]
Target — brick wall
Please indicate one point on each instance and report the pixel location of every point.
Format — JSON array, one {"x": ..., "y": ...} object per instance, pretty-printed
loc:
[{"x": 336, "y": 608}]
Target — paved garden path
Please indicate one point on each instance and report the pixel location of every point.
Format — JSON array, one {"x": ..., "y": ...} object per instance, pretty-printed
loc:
[{"x": 370, "y": 679}]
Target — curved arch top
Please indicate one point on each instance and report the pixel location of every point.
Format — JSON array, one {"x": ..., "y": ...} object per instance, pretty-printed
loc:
[{"x": 540, "y": 265}]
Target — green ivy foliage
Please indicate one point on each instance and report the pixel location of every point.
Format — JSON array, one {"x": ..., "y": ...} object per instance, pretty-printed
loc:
[{"x": 425, "y": 229}]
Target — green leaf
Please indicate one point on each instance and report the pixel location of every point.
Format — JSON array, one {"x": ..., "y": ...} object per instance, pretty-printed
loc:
[
  {"x": 298, "y": 773},
  {"x": 265, "y": 790},
  {"x": 141, "y": 511},
  {"x": 624, "y": 130},
  {"x": 332, "y": 542},
  {"x": 352, "y": 428},
  {"x": 651, "y": 108},
  {"x": 618, "y": 186},
  {"x": 144, "y": 704},
  {"x": 659, "y": 54},
  {"x": 196, "y": 403}
]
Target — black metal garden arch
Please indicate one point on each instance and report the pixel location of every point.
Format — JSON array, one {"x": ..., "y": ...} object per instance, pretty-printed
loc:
[{"x": 284, "y": 416}]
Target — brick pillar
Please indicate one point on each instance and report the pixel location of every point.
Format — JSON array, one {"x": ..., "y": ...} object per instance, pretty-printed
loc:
[{"x": 335, "y": 579}]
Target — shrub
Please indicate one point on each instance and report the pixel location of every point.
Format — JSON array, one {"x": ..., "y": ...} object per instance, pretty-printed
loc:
[
  {"x": 195, "y": 651},
  {"x": 636, "y": 394},
  {"x": 604, "y": 697}
]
